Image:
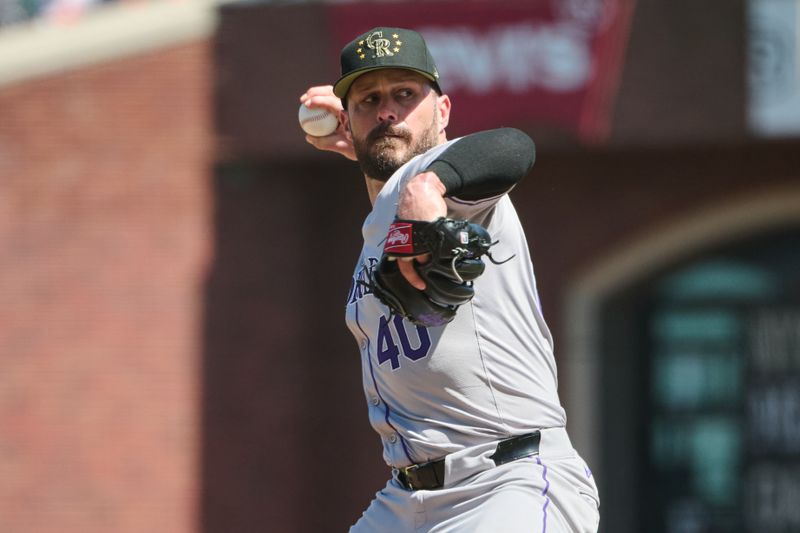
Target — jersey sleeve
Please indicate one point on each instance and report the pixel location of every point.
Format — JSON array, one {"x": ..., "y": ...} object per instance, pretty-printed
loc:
[
  {"x": 479, "y": 211},
  {"x": 485, "y": 164},
  {"x": 479, "y": 169}
]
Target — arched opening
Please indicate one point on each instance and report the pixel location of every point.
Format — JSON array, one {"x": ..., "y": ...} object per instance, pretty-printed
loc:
[{"x": 687, "y": 355}]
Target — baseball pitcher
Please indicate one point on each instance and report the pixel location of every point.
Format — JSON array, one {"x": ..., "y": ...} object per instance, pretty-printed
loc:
[{"x": 458, "y": 369}]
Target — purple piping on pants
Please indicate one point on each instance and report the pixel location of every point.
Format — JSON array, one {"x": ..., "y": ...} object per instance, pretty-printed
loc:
[
  {"x": 544, "y": 493},
  {"x": 375, "y": 384}
]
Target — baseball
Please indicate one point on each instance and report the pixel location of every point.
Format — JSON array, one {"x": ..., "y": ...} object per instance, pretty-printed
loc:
[{"x": 317, "y": 122}]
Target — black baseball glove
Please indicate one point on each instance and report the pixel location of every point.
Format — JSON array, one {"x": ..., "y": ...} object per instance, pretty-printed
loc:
[{"x": 455, "y": 247}]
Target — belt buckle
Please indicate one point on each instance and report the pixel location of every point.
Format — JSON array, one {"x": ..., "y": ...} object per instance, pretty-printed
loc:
[{"x": 404, "y": 471}]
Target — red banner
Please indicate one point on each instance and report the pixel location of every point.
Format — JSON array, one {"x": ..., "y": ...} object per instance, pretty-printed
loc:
[{"x": 553, "y": 63}]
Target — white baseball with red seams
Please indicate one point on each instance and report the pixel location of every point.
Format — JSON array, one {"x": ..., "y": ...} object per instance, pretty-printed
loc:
[{"x": 317, "y": 122}]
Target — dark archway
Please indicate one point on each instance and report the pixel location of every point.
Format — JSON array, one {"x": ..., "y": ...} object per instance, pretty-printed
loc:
[{"x": 701, "y": 393}]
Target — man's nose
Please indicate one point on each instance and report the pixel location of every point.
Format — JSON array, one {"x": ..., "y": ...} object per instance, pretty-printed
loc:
[{"x": 387, "y": 113}]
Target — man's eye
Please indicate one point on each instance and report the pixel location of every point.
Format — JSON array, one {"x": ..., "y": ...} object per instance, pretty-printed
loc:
[{"x": 405, "y": 93}]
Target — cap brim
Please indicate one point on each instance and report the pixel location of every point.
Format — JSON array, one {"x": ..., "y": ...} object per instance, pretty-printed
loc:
[{"x": 343, "y": 84}]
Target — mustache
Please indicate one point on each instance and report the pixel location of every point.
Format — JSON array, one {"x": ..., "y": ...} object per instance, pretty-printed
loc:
[{"x": 388, "y": 129}]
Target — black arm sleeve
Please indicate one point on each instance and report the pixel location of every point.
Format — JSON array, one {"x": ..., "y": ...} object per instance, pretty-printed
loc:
[{"x": 485, "y": 164}]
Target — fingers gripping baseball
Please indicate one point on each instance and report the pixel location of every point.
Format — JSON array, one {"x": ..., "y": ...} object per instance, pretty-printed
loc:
[
  {"x": 339, "y": 141},
  {"x": 317, "y": 122}
]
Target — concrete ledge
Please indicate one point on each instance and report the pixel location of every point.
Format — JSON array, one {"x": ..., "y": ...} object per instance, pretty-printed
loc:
[{"x": 107, "y": 32}]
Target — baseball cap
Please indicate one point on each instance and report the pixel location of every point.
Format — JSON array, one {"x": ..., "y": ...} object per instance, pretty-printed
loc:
[{"x": 385, "y": 48}]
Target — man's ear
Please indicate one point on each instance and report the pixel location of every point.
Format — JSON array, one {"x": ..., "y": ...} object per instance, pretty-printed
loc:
[
  {"x": 443, "y": 108},
  {"x": 345, "y": 119}
]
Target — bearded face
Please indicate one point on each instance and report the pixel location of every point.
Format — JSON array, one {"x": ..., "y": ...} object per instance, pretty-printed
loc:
[{"x": 389, "y": 146}]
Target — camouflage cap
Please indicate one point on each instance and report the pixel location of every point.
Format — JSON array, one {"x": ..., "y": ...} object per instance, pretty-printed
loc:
[{"x": 385, "y": 48}]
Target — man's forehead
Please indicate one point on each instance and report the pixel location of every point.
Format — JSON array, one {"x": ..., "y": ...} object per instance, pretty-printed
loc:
[{"x": 392, "y": 75}]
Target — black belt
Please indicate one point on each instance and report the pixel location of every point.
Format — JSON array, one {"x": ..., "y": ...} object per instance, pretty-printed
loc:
[{"x": 430, "y": 475}]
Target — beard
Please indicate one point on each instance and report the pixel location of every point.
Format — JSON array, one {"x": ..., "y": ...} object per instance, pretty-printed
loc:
[{"x": 388, "y": 147}]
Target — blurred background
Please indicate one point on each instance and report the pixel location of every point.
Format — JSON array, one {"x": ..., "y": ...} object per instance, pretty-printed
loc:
[{"x": 174, "y": 257}]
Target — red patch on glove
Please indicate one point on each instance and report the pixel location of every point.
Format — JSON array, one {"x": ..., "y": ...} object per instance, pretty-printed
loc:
[{"x": 400, "y": 239}]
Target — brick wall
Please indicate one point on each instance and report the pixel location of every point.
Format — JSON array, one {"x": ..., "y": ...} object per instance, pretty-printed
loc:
[{"x": 104, "y": 225}]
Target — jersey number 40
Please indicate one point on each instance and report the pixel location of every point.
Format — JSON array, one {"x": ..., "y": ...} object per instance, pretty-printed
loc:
[{"x": 390, "y": 333}]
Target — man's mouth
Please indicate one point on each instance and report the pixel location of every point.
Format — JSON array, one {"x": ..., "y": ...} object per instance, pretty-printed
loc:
[
  {"x": 387, "y": 133},
  {"x": 388, "y": 141}
]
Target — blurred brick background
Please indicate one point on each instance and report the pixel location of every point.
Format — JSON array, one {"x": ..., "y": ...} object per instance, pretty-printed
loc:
[{"x": 102, "y": 260}]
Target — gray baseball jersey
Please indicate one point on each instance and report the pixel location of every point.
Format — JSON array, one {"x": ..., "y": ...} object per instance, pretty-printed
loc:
[{"x": 488, "y": 374}]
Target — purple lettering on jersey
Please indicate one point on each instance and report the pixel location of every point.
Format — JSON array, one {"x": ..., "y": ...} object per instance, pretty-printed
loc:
[
  {"x": 387, "y": 349},
  {"x": 415, "y": 354},
  {"x": 359, "y": 286}
]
